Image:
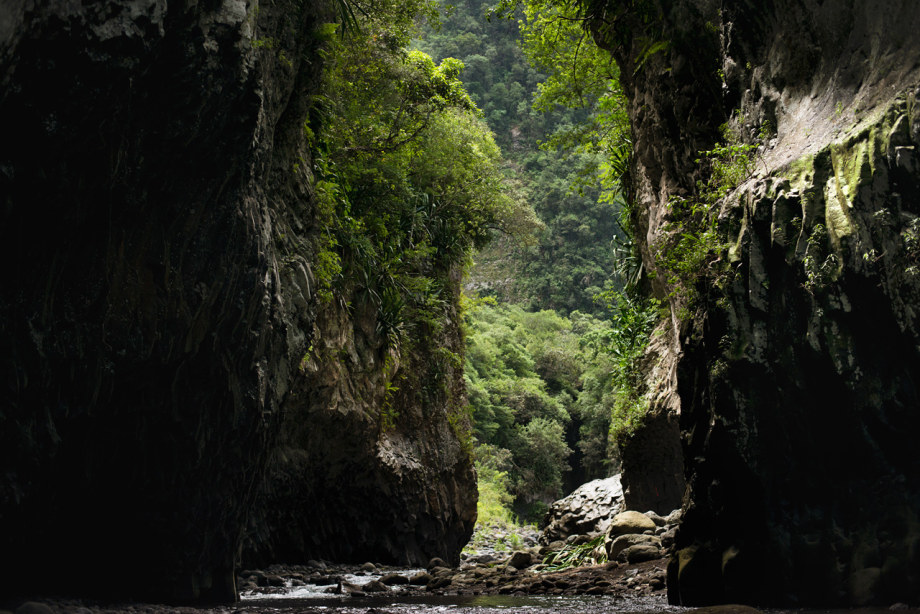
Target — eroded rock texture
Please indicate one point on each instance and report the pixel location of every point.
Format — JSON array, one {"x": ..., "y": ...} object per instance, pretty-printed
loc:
[
  {"x": 798, "y": 378},
  {"x": 150, "y": 312},
  {"x": 371, "y": 466}
]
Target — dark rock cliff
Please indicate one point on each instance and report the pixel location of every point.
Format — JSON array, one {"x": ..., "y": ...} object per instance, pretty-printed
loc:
[
  {"x": 797, "y": 373},
  {"x": 156, "y": 305},
  {"x": 374, "y": 461},
  {"x": 149, "y": 322}
]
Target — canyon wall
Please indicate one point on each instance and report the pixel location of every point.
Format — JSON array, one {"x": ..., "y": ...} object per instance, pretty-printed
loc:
[
  {"x": 653, "y": 463},
  {"x": 157, "y": 303},
  {"x": 798, "y": 342},
  {"x": 374, "y": 458}
]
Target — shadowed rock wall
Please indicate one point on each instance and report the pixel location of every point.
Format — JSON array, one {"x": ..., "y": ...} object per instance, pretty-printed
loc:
[
  {"x": 156, "y": 307},
  {"x": 370, "y": 466},
  {"x": 653, "y": 462},
  {"x": 149, "y": 316},
  {"x": 798, "y": 377}
]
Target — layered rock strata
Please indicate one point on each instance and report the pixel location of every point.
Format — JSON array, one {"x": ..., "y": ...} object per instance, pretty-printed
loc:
[{"x": 797, "y": 370}]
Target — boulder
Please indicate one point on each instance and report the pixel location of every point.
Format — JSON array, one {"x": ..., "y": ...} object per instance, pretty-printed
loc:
[
  {"x": 438, "y": 583},
  {"x": 667, "y": 538},
  {"x": 520, "y": 560},
  {"x": 375, "y": 586},
  {"x": 619, "y": 544},
  {"x": 420, "y": 579},
  {"x": 862, "y": 585},
  {"x": 587, "y": 511},
  {"x": 392, "y": 579},
  {"x": 629, "y": 522},
  {"x": 640, "y": 553},
  {"x": 659, "y": 521}
]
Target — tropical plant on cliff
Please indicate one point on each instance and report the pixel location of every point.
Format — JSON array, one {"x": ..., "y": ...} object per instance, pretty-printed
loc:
[
  {"x": 691, "y": 252},
  {"x": 409, "y": 179}
]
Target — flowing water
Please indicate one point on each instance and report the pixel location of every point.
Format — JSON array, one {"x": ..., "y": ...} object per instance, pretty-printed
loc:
[
  {"x": 458, "y": 604},
  {"x": 316, "y": 599}
]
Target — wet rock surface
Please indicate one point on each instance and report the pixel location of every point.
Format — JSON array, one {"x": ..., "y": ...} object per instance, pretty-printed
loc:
[
  {"x": 499, "y": 561},
  {"x": 620, "y": 579},
  {"x": 483, "y": 604}
]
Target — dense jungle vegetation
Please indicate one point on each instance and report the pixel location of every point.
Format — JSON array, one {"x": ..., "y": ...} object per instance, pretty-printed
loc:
[
  {"x": 493, "y": 138},
  {"x": 556, "y": 332}
]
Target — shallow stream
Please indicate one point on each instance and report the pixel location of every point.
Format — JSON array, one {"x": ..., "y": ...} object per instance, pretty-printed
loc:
[
  {"x": 317, "y": 599},
  {"x": 457, "y": 604}
]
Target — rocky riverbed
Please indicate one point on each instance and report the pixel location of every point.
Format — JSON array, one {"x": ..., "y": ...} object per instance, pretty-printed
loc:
[
  {"x": 622, "y": 557},
  {"x": 504, "y": 578},
  {"x": 586, "y": 549}
]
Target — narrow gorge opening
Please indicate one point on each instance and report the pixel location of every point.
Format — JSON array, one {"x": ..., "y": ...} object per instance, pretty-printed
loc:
[
  {"x": 557, "y": 317},
  {"x": 288, "y": 283}
]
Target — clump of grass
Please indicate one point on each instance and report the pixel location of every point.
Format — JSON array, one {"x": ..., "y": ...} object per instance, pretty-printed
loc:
[{"x": 591, "y": 553}]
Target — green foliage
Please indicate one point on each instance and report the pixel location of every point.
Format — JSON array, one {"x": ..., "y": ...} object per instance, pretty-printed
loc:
[
  {"x": 529, "y": 375},
  {"x": 494, "y": 504},
  {"x": 541, "y": 458},
  {"x": 388, "y": 411},
  {"x": 581, "y": 76},
  {"x": 821, "y": 266},
  {"x": 408, "y": 182},
  {"x": 590, "y": 553},
  {"x": 409, "y": 179},
  {"x": 633, "y": 318},
  {"x": 569, "y": 259},
  {"x": 691, "y": 252}
]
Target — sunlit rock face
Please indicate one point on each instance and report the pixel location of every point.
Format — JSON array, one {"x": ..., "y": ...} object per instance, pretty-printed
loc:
[
  {"x": 798, "y": 376},
  {"x": 151, "y": 312}
]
